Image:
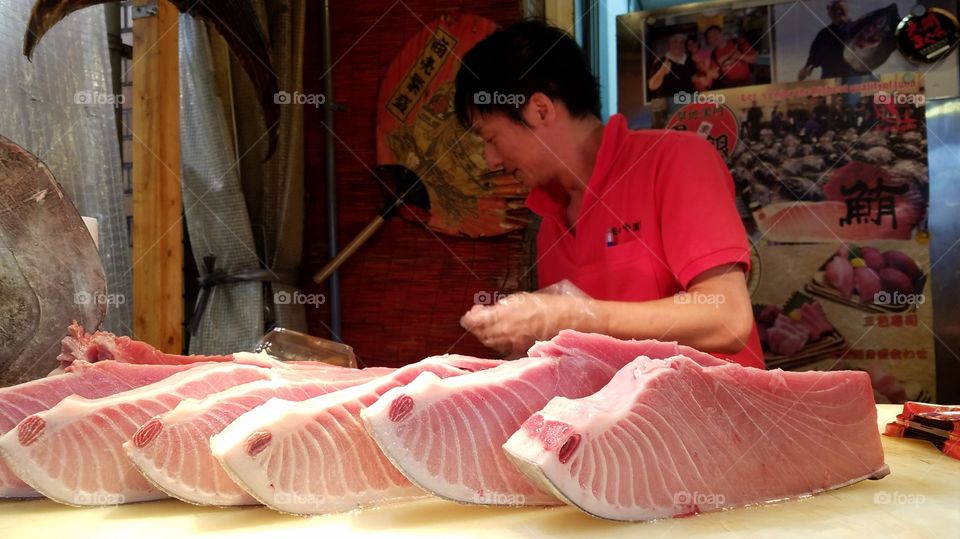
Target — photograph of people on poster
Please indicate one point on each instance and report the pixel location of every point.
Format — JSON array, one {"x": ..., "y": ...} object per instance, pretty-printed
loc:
[
  {"x": 697, "y": 52},
  {"x": 824, "y": 39}
]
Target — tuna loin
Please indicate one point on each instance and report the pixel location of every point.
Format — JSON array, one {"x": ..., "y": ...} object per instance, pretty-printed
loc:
[
  {"x": 103, "y": 345},
  {"x": 445, "y": 435},
  {"x": 670, "y": 438},
  {"x": 83, "y": 379},
  {"x": 72, "y": 453},
  {"x": 172, "y": 450},
  {"x": 314, "y": 457}
]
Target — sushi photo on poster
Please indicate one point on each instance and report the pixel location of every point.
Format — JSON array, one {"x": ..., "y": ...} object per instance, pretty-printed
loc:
[
  {"x": 824, "y": 39},
  {"x": 832, "y": 183},
  {"x": 679, "y": 55}
]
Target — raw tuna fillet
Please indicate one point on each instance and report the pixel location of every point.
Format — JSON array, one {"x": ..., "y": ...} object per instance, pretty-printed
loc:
[
  {"x": 670, "y": 438},
  {"x": 839, "y": 273},
  {"x": 605, "y": 348},
  {"x": 816, "y": 222},
  {"x": 867, "y": 283},
  {"x": 314, "y": 457},
  {"x": 445, "y": 434},
  {"x": 84, "y": 379},
  {"x": 172, "y": 450},
  {"x": 103, "y": 345},
  {"x": 73, "y": 454},
  {"x": 815, "y": 320},
  {"x": 786, "y": 336}
]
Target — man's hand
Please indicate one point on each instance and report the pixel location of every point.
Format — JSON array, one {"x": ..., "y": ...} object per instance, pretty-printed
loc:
[
  {"x": 665, "y": 67},
  {"x": 729, "y": 63},
  {"x": 514, "y": 323}
]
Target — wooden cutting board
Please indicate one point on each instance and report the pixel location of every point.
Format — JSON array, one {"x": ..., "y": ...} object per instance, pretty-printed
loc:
[{"x": 920, "y": 498}]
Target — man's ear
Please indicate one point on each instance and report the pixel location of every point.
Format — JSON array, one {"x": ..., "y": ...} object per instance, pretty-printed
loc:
[{"x": 539, "y": 110}]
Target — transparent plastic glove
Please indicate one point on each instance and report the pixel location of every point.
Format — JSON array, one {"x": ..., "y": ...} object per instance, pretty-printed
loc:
[{"x": 515, "y": 322}]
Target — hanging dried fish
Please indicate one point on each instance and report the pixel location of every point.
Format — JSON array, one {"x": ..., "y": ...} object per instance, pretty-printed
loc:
[{"x": 235, "y": 20}]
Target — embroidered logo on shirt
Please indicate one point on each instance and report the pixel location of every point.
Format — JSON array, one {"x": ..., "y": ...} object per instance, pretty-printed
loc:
[{"x": 622, "y": 234}]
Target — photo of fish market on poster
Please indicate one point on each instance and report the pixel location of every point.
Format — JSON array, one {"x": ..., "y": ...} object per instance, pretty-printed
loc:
[{"x": 833, "y": 186}]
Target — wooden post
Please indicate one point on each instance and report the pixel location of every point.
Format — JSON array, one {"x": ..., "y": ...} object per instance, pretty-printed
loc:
[{"x": 157, "y": 201}]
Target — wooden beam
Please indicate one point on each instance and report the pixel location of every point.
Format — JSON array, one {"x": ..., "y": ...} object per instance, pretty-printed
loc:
[
  {"x": 562, "y": 13},
  {"x": 157, "y": 201}
]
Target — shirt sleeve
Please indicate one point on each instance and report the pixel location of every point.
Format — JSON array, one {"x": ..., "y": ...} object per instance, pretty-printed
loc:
[
  {"x": 815, "y": 59},
  {"x": 699, "y": 223}
]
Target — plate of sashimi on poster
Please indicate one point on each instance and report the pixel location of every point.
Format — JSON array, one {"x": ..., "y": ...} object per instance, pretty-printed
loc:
[
  {"x": 796, "y": 333},
  {"x": 865, "y": 278}
]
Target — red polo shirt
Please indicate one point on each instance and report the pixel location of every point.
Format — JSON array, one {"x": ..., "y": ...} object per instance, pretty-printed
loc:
[{"x": 658, "y": 211}]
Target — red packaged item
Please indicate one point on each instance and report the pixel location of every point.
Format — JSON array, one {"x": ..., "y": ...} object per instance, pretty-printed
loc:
[{"x": 934, "y": 423}]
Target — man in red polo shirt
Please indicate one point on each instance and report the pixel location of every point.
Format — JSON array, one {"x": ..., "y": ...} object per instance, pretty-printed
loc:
[
  {"x": 734, "y": 57},
  {"x": 644, "y": 222}
]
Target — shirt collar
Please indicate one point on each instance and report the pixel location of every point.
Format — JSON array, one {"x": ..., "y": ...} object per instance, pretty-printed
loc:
[
  {"x": 551, "y": 200},
  {"x": 681, "y": 60}
]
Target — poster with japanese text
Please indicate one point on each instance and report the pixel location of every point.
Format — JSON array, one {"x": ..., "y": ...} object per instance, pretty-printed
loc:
[{"x": 833, "y": 186}]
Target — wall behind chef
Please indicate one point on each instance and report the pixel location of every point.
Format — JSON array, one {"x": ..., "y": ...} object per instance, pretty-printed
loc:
[{"x": 643, "y": 221}]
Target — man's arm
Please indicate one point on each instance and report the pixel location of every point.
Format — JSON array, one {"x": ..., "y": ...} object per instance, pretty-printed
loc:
[
  {"x": 714, "y": 314},
  {"x": 747, "y": 53},
  {"x": 656, "y": 81},
  {"x": 814, "y": 58}
]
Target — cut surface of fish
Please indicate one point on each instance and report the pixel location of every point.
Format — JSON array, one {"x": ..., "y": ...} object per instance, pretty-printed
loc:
[
  {"x": 314, "y": 457},
  {"x": 669, "y": 438},
  {"x": 445, "y": 435},
  {"x": 73, "y": 454}
]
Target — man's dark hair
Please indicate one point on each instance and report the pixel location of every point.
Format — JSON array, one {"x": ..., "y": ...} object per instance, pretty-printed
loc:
[
  {"x": 522, "y": 59},
  {"x": 713, "y": 27}
]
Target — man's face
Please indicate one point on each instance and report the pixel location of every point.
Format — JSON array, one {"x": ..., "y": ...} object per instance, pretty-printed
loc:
[
  {"x": 715, "y": 38},
  {"x": 676, "y": 45},
  {"x": 839, "y": 13},
  {"x": 513, "y": 147}
]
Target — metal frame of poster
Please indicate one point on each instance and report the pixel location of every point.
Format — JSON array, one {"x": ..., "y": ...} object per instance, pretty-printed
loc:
[
  {"x": 943, "y": 155},
  {"x": 859, "y": 43}
]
